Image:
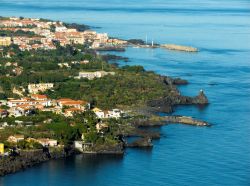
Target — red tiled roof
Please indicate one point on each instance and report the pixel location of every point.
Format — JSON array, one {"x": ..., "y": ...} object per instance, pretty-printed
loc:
[
  {"x": 39, "y": 96},
  {"x": 73, "y": 103}
]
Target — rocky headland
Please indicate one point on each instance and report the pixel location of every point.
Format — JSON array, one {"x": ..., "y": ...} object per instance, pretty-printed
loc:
[{"x": 166, "y": 104}]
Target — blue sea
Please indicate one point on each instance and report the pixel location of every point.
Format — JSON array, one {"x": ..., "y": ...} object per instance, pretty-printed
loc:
[{"x": 185, "y": 155}]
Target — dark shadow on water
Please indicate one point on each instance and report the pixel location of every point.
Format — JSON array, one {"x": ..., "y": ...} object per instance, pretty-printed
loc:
[
  {"x": 99, "y": 157},
  {"x": 221, "y": 51},
  {"x": 141, "y": 150},
  {"x": 94, "y": 161},
  {"x": 200, "y": 108}
]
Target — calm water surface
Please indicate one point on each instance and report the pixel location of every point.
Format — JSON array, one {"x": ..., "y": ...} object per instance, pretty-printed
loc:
[{"x": 219, "y": 155}]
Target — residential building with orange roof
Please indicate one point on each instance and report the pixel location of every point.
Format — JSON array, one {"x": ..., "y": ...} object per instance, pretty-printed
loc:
[
  {"x": 3, "y": 113},
  {"x": 66, "y": 102},
  {"x": 70, "y": 111},
  {"x": 39, "y": 97}
]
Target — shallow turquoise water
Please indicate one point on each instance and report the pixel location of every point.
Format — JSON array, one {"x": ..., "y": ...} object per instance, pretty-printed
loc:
[{"x": 219, "y": 155}]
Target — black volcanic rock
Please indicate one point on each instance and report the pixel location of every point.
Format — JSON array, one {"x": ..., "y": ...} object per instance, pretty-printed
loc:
[
  {"x": 179, "y": 81},
  {"x": 201, "y": 98},
  {"x": 173, "y": 81},
  {"x": 30, "y": 158},
  {"x": 141, "y": 143},
  {"x": 167, "y": 103}
]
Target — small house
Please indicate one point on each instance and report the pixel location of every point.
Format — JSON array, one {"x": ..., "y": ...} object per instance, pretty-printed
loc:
[
  {"x": 15, "y": 138},
  {"x": 46, "y": 142}
]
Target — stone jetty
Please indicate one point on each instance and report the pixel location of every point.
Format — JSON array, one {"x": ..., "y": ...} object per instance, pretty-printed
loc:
[{"x": 179, "y": 48}]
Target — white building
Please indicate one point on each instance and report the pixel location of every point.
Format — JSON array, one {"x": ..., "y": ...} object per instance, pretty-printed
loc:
[
  {"x": 60, "y": 29},
  {"x": 40, "y": 87},
  {"x": 29, "y": 102},
  {"x": 47, "y": 142},
  {"x": 115, "y": 113},
  {"x": 99, "y": 113},
  {"x": 92, "y": 75},
  {"x": 78, "y": 145},
  {"x": 102, "y": 37}
]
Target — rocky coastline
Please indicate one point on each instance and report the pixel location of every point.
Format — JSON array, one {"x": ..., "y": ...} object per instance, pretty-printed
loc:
[
  {"x": 166, "y": 104},
  {"x": 117, "y": 149},
  {"x": 111, "y": 48},
  {"x": 144, "y": 137},
  {"x": 29, "y": 158},
  {"x": 173, "y": 119}
]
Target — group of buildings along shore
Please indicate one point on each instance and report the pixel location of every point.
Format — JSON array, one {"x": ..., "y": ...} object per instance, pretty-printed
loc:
[
  {"x": 67, "y": 107},
  {"x": 44, "y": 39},
  {"x": 46, "y": 32}
]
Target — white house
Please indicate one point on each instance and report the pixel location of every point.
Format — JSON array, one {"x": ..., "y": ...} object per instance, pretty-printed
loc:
[
  {"x": 60, "y": 29},
  {"x": 40, "y": 87},
  {"x": 47, "y": 142},
  {"x": 99, "y": 113},
  {"x": 15, "y": 138},
  {"x": 78, "y": 145},
  {"x": 115, "y": 113},
  {"x": 92, "y": 75}
]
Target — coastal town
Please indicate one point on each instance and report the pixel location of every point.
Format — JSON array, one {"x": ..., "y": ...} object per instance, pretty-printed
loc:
[
  {"x": 59, "y": 95},
  {"x": 31, "y": 33},
  {"x": 27, "y": 106},
  {"x": 43, "y": 34},
  {"x": 39, "y": 34},
  {"x": 124, "y": 93}
]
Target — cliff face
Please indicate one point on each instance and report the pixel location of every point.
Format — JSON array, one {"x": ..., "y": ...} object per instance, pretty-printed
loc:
[{"x": 28, "y": 159}]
